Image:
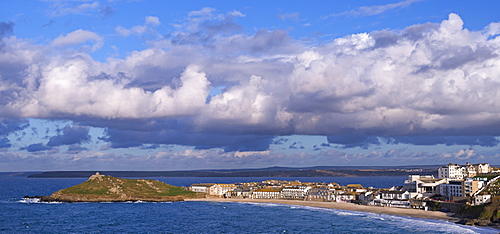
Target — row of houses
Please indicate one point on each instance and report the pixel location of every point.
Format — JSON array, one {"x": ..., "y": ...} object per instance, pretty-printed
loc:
[
  {"x": 467, "y": 181},
  {"x": 459, "y": 172},
  {"x": 453, "y": 184},
  {"x": 295, "y": 190}
]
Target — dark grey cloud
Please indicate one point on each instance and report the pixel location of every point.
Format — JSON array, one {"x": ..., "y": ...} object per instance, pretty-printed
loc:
[
  {"x": 418, "y": 32},
  {"x": 6, "y": 28},
  {"x": 224, "y": 26},
  {"x": 242, "y": 142},
  {"x": 70, "y": 135},
  {"x": 352, "y": 141},
  {"x": 107, "y": 11},
  {"x": 265, "y": 41},
  {"x": 206, "y": 31},
  {"x": 11, "y": 125},
  {"x": 154, "y": 146},
  {"x": 36, "y": 147},
  {"x": 385, "y": 38},
  {"x": 5, "y": 143},
  {"x": 193, "y": 38},
  {"x": 75, "y": 149},
  {"x": 464, "y": 55},
  {"x": 280, "y": 141},
  {"x": 210, "y": 35}
]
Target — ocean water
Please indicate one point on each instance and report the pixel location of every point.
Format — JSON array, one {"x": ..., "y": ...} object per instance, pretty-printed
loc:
[{"x": 29, "y": 216}]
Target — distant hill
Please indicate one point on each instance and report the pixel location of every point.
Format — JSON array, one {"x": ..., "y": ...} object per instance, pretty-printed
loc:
[
  {"x": 18, "y": 174},
  {"x": 319, "y": 171},
  {"x": 101, "y": 188}
]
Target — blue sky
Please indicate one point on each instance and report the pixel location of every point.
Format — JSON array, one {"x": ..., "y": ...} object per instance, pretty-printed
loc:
[{"x": 152, "y": 85}]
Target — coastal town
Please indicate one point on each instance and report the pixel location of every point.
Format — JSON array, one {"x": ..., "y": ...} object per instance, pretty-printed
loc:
[{"x": 454, "y": 186}]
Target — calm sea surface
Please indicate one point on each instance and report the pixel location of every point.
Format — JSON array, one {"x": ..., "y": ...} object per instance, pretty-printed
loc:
[{"x": 20, "y": 216}]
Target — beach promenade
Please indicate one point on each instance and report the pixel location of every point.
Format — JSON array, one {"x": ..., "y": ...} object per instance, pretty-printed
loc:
[{"x": 415, "y": 213}]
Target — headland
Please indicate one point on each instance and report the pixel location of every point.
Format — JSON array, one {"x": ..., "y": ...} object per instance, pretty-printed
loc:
[{"x": 101, "y": 188}]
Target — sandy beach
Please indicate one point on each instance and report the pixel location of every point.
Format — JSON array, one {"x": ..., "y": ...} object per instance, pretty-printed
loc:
[{"x": 346, "y": 206}]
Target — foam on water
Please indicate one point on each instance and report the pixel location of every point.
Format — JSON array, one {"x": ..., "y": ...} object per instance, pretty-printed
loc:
[
  {"x": 36, "y": 201},
  {"x": 262, "y": 204},
  {"x": 439, "y": 226},
  {"x": 29, "y": 200}
]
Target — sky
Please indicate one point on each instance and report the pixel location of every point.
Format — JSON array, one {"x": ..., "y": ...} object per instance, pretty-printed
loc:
[{"x": 158, "y": 85}]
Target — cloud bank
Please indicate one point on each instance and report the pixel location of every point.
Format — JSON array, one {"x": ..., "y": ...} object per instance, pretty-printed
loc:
[{"x": 425, "y": 84}]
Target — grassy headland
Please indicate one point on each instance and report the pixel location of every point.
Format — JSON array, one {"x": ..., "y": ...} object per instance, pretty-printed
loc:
[{"x": 100, "y": 188}]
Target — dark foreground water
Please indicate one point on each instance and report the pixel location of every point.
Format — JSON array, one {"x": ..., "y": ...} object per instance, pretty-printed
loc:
[{"x": 21, "y": 216}]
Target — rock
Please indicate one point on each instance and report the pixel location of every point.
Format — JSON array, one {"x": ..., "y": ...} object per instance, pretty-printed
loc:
[{"x": 483, "y": 222}]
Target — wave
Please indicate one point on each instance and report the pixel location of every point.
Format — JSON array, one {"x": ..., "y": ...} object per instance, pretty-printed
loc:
[
  {"x": 38, "y": 200},
  {"x": 35, "y": 200},
  {"x": 401, "y": 222}
]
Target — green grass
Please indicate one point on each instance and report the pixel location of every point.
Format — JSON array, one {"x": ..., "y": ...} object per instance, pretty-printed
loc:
[{"x": 112, "y": 186}]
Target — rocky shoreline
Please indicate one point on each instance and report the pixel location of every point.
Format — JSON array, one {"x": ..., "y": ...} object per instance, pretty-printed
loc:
[{"x": 97, "y": 199}]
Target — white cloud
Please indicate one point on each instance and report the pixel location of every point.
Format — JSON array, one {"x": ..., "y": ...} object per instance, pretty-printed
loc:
[
  {"x": 461, "y": 154},
  {"x": 493, "y": 29},
  {"x": 289, "y": 16},
  {"x": 239, "y": 154},
  {"x": 375, "y": 10},
  {"x": 78, "y": 37},
  {"x": 237, "y": 13},
  {"x": 153, "y": 20},
  {"x": 427, "y": 79},
  {"x": 206, "y": 11},
  {"x": 62, "y": 8},
  {"x": 137, "y": 30},
  {"x": 112, "y": 99}
]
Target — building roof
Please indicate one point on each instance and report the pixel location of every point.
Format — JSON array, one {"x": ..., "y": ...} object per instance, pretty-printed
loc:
[
  {"x": 393, "y": 192},
  {"x": 268, "y": 190},
  {"x": 202, "y": 185}
]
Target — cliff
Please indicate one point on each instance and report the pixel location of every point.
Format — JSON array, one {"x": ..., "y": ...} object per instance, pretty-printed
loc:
[
  {"x": 483, "y": 215},
  {"x": 101, "y": 188}
]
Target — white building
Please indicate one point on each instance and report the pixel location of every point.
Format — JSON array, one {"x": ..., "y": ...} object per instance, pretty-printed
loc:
[
  {"x": 345, "y": 197},
  {"x": 425, "y": 186},
  {"x": 395, "y": 195},
  {"x": 481, "y": 199},
  {"x": 458, "y": 172},
  {"x": 319, "y": 194},
  {"x": 200, "y": 188},
  {"x": 392, "y": 198},
  {"x": 472, "y": 185},
  {"x": 475, "y": 169},
  {"x": 267, "y": 193},
  {"x": 294, "y": 192},
  {"x": 452, "y": 189},
  {"x": 452, "y": 171},
  {"x": 221, "y": 189}
]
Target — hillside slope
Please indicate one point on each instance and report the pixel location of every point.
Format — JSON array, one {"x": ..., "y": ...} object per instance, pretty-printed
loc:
[{"x": 101, "y": 188}]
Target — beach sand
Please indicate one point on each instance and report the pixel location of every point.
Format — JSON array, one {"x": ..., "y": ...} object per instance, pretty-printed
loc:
[{"x": 347, "y": 206}]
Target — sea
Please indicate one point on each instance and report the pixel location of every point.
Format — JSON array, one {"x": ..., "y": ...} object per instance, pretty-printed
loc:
[{"x": 18, "y": 215}]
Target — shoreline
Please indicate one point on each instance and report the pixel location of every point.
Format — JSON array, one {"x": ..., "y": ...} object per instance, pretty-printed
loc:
[{"x": 414, "y": 213}]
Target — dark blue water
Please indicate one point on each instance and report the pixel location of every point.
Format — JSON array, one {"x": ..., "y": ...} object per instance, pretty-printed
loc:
[{"x": 20, "y": 216}]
